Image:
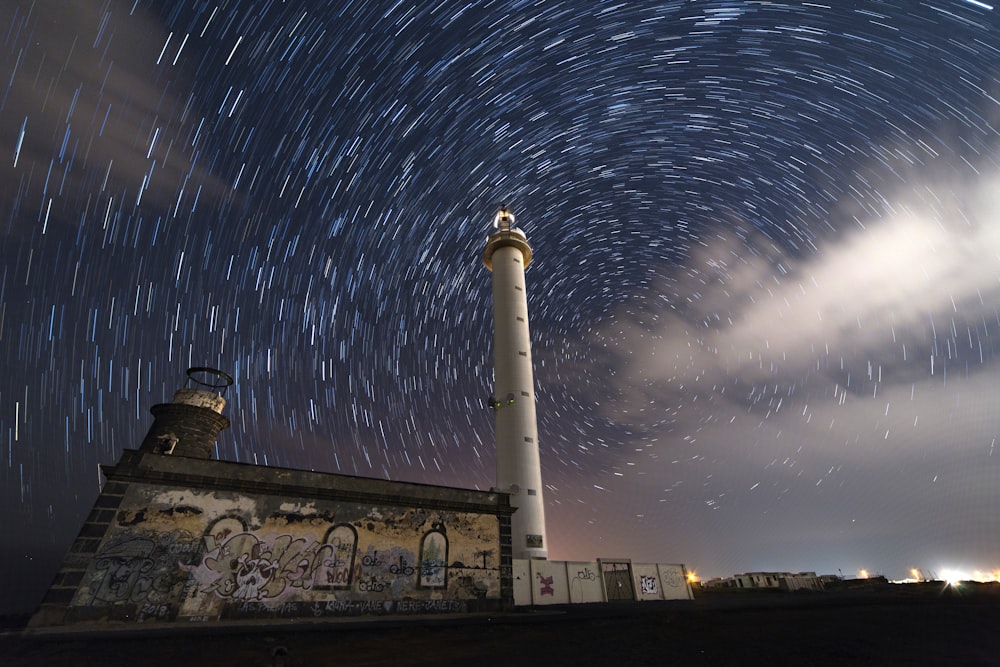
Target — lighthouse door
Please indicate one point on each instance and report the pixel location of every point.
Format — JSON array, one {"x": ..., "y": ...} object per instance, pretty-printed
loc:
[{"x": 617, "y": 577}]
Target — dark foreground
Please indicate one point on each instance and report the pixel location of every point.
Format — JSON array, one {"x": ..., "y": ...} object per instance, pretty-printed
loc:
[{"x": 901, "y": 625}]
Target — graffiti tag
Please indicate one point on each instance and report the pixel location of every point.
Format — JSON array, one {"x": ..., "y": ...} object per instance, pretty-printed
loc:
[
  {"x": 379, "y": 607},
  {"x": 372, "y": 585},
  {"x": 248, "y": 569},
  {"x": 672, "y": 578},
  {"x": 402, "y": 568},
  {"x": 546, "y": 584},
  {"x": 138, "y": 567},
  {"x": 372, "y": 561}
]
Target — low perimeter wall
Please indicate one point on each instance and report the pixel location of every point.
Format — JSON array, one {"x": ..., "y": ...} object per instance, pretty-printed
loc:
[{"x": 545, "y": 582}]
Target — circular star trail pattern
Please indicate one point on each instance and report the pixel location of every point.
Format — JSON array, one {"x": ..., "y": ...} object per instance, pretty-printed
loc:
[{"x": 763, "y": 306}]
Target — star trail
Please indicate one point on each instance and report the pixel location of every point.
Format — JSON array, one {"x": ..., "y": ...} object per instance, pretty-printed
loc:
[{"x": 764, "y": 301}]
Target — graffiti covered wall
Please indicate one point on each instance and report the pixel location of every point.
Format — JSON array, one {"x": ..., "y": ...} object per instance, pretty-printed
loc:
[
  {"x": 183, "y": 554},
  {"x": 560, "y": 582}
]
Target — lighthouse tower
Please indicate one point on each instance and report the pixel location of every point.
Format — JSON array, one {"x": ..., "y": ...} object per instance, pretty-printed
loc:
[
  {"x": 190, "y": 424},
  {"x": 519, "y": 472}
]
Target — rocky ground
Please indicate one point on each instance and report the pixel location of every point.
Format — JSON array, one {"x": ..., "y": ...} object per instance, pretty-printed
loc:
[{"x": 931, "y": 624}]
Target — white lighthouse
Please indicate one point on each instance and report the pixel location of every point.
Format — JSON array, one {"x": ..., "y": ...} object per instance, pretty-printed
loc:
[{"x": 519, "y": 471}]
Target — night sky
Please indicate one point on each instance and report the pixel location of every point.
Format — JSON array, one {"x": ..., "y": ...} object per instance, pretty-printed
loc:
[{"x": 764, "y": 300}]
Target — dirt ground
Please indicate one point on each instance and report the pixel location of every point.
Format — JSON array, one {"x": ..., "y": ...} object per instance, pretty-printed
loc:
[{"x": 926, "y": 625}]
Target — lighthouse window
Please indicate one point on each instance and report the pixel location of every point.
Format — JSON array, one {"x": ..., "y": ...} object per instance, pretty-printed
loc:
[
  {"x": 527, "y": 439},
  {"x": 532, "y": 492},
  {"x": 516, "y": 260},
  {"x": 518, "y": 287},
  {"x": 520, "y": 319},
  {"x": 523, "y": 354},
  {"x": 524, "y": 393}
]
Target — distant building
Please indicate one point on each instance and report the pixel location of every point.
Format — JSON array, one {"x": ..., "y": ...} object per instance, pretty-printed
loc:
[
  {"x": 801, "y": 581},
  {"x": 785, "y": 581},
  {"x": 860, "y": 583}
]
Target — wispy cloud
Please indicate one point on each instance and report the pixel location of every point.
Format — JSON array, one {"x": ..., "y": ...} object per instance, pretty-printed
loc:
[
  {"x": 88, "y": 110},
  {"x": 910, "y": 299},
  {"x": 813, "y": 400}
]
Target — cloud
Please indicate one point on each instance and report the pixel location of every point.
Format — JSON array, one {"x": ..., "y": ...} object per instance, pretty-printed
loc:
[
  {"x": 872, "y": 291},
  {"x": 908, "y": 300},
  {"x": 834, "y": 403},
  {"x": 88, "y": 113}
]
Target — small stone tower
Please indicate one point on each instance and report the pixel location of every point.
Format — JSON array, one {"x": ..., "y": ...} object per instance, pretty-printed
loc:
[
  {"x": 519, "y": 471},
  {"x": 190, "y": 424}
]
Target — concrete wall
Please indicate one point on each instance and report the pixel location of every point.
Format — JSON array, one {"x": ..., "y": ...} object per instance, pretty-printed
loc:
[
  {"x": 584, "y": 582},
  {"x": 548, "y": 582},
  {"x": 522, "y": 581},
  {"x": 562, "y": 582},
  {"x": 174, "y": 552},
  {"x": 674, "y": 583}
]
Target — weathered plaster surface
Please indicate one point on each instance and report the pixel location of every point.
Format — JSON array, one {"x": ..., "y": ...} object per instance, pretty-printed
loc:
[{"x": 183, "y": 554}]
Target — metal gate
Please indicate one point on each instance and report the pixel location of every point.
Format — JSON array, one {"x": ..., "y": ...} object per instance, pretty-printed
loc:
[{"x": 617, "y": 580}]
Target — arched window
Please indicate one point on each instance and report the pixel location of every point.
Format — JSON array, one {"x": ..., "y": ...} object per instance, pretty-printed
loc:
[
  {"x": 337, "y": 566},
  {"x": 434, "y": 558}
]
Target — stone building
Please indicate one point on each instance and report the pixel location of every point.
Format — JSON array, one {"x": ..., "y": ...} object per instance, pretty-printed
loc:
[{"x": 175, "y": 536}]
